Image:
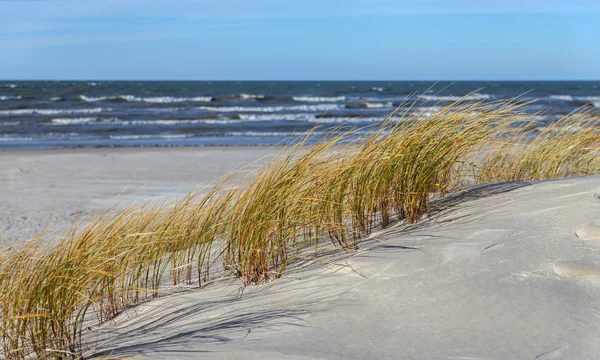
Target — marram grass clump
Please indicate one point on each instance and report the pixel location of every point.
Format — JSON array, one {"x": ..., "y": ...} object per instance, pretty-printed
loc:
[{"x": 339, "y": 189}]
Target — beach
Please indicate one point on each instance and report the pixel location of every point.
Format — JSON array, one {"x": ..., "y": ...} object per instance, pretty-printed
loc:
[
  {"x": 505, "y": 270},
  {"x": 51, "y": 190}
]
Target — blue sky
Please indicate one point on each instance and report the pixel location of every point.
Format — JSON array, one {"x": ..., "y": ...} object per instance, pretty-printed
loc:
[{"x": 300, "y": 40}]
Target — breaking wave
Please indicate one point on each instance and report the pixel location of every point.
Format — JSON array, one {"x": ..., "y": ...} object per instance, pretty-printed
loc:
[
  {"x": 319, "y": 98},
  {"x": 268, "y": 109},
  {"x": 157, "y": 99},
  {"x": 472, "y": 97},
  {"x": 52, "y": 111}
]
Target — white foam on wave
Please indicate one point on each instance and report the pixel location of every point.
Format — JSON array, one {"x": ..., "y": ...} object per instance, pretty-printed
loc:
[
  {"x": 10, "y": 123},
  {"x": 344, "y": 120},
  {"x": 268, "y": 109},
  {"x": 73, "y": 121},
  {"x": 12, "y": 86},
  {"x": 319, "y": 98},
  {"x": 252, "y": 96},
  {"x": 150, "y": 137},
  {"x": 473, "y": 97},
  {"x": 379, "y": 89},
  {"x": 592, "y": 99},
  {"x": 587, "y": 98},
  {"x": 275, "y": 117},
  {"x": 6, "y": 98},
  {"x": 52, "y": 111},
  {"x": 596, "y": 104},
  {"x": 156, "y": 99},
  {"x": 14, "y": 138},
  {"x": 116, "y": 121},
  {"x": 371, "y": 105},
  {"x": 561, "y": 97},
  {"x": 168, "y": 122},
  {"x": 58, "y": 98},
  {"x": 271, "y": 134}
]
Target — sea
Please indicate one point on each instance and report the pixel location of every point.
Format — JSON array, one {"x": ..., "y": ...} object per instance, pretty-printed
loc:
[{"x": 81, "y": 114}]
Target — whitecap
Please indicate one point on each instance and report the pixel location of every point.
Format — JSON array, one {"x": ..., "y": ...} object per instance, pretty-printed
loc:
[
  {"x": 561, "y": 97},
  {"x": 15, "y": 138},
  {"x": 379, "y": 89},
  {"x": 156, "y": 99},
  {"x": 342, "y": 120},
  {"x": 472, "y": 97},
  {"x": 273, "y": 117},
  {"x": 319, "y": 98},
  {"x": 150, "y": 137},
  {"x": 378, "y": 105},
  {"x": 6, "y": 98},
  {"x": 73, "y": 121},
  {"x": 252, "y": 96},
  {"x": 587, "y": 98},
  {"x": 319, "y": 107},
  {"x": 52, "y": 111}
]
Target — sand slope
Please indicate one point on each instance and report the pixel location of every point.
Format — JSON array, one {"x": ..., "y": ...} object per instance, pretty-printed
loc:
[{"x": 511, "y": 271}]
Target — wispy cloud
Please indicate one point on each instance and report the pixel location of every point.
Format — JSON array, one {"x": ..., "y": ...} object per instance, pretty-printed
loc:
[
  {"x": 57, "y": 21},
  {"x": 268, "y": 9}
]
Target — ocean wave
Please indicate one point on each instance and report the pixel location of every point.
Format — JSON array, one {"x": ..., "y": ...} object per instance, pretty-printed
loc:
[
  {"x": 347, "y": 120},
  {"x": 588, "y": 98},
  {"x": 73, "y": 121},
  {"x": 596, "y": 104},
  {"x": 119, "y": 122},
  {"x": 52, "y": 111},
  {"x": 578, "y": 100},
  {"x": 57, "y": 98},
  {"x": 319, "y": 98},
  {"x": 15, "y": 138},
  {"x": 280, "y": 117},
  {"x": 10, "y": 123},
  {"x": 252, "y": 96},
  {"x": 269, "y": 109},
  {"x": 472, "y": 97},
  {"x": 378, "y": 89},
  {"x": 150, "y": 137},
  {"x": 368, "y": 105},
  {"x": 157, "y": 99},
  {"x": 561, "y": 97},
  {"x": 12, "y": 86},
  {"x": 270, "y": 134},
  {"x": 168, "y": 122},
  {"x": 6, "y": 98}
]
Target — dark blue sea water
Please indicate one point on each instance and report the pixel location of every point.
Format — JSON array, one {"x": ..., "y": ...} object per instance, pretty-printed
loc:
[{"x": 50, "y": 114}]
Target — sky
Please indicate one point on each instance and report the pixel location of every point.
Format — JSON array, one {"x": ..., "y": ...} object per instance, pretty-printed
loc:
[{"x": 299, "y": 39}]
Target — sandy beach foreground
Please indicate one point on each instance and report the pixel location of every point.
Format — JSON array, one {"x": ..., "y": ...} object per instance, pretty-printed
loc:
[
  {"x": 55, "y": 188},
  {"x": 504, "y": 271},
  {"x": 509, "y": 272}
]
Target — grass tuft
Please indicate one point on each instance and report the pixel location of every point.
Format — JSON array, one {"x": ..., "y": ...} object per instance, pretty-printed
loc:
[{"x": 338, "y": 189}]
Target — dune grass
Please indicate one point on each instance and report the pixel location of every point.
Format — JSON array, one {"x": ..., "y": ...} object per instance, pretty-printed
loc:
[{"x": 338, "y": 189}]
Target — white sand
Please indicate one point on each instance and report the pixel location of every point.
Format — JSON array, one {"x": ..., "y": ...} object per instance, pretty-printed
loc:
[
  {"x": 512, "y": 275},
  {"x": 511, "y": 271},
  {"x": 57, "y": 187}
]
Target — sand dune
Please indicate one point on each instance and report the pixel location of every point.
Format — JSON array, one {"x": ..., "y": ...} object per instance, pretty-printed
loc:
[{"x": 506, "y": 271}]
